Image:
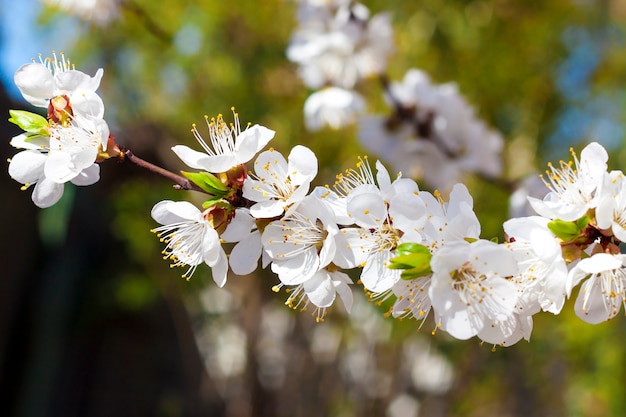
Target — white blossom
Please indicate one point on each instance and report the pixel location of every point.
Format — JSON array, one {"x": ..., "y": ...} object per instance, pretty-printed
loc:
[
  {"x": 340, "y": 47},
  {"x": 51, "y": 77},
  {"x": 574, "y": 188},
  {"x": 542, "y": 270},
  {"x": 611, "y": 209},
  {"x": 278, "y": 185},
  {"x": 603, "y": 293},
  {"x": 333, "y": 107},
  {"x": 433, "y": 135},
  {"x": 471, "y": 294},
  {"x": 67, "y": 155},
  {"x": 229, "y": 145},
  {"x": 189, "y": 238}
]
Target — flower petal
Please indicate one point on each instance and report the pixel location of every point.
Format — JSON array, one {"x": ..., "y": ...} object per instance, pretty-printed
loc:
[
  {"x": 36, "y": 84},
  {"x": 244, "y": 258},
  {"x": 88, "y": 176},
  {"x": 249, "y": 142},
  {"x": 47, "y": 193},
  {"x": 26, "y": 167}
]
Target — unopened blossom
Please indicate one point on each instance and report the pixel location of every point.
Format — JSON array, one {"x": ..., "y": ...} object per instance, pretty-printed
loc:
[
  {"x": 470, "y": 292},
  {"x": 332, "y": 107},
  {"x": 190, "y": 239},
  {"x": 277, "y": 184},
  {"x": 39, "y": 82},
  {"x": 602, "y": 295},
  {"x": 228, "y": 145},
  {"x": 542, "y": 271},
  {"x": 574, "y": 187}
]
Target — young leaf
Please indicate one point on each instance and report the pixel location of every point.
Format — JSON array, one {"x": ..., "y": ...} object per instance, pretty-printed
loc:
[
  {"x": 208, "y": 182},
  {"x": 30, "y": 122},
  {"x": 568, "y": 231}
]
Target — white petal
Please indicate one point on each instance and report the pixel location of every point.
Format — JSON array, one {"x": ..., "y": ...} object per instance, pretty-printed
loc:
[
  {"x": 87, "y": 103},
  {"x": 320, "y": 289},
  {"x": 191, "y": 158},
  {"x": 170, "y": 212},
  {"x": 220, "y": 269},
  {"x": 244, "y": 258},
  {"x": 341, "y": 281},
  {"x": 251, "y": 141},
  {"x": 367, "y": 209},
  {"x": 591, "y": 305},
  {"x": 88, "y": 176},
  {"x": 240, "y": 226},
  {"x": 47, "y": 193},
  {"x": 296, "y": 270},
  {"x": 58, "y": 168},
  {"x": 269, "y": 162},
  {"x": 212, "y": 250},
  {"x": 375, "y": 276},
  {"x": 36, "y": 84},
  {"x": 69, "y": 81},
  {"x": 26, "y": 167},
  {"x": 302, "y": 165},
  {"x": 27, "y": 141},
  {"x": 267, "y": 209}
]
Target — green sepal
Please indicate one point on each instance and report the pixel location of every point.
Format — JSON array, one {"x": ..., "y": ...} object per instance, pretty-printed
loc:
[
  {"x": 208, "y": 182},
  {"x": 413, "y": 259},
  {"x": 568, "y": 231},
  {"x": 30, "y": 122},
  {"x": 215, "y": 201}
]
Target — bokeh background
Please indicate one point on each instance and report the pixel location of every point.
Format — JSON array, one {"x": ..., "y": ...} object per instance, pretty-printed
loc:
[{"x": 94, "y": 323}]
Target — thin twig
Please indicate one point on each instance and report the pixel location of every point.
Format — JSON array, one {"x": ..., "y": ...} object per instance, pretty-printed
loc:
[{"x": 181, "y": 183}]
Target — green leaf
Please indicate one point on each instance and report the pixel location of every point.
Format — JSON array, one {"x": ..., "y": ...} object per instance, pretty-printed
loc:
[
  {"x": 568, "y": 231},
  {"x": 208, "y": 182},
  {"x": 583, "y": 222},
  {"x": 414, "y": 273},
  {"x": 414, "y": 260},
  {"x": 214, "y": 201},
  {"x": 30, "y": 122},
  {"x": 407, "y": 248}
]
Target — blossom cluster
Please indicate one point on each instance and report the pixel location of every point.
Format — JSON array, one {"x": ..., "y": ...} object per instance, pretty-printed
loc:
[
  {"x": 336, "y": 45},
  {"x": 65, "y": 145},
  {"x": 409, "y": 245},
  {"x": 432, "y": 133},
  {"x": 412, "y": 249}
]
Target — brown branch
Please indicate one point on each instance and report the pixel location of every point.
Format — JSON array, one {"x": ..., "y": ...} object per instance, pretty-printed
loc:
[{"x": 180, "y": 182}]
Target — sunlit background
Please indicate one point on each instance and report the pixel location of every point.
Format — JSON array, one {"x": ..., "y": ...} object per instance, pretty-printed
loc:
[{"x": 94, "y": 323}]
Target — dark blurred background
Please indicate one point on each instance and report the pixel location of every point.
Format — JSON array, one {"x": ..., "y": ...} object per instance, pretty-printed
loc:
[{"x": 94, "y": 323}]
